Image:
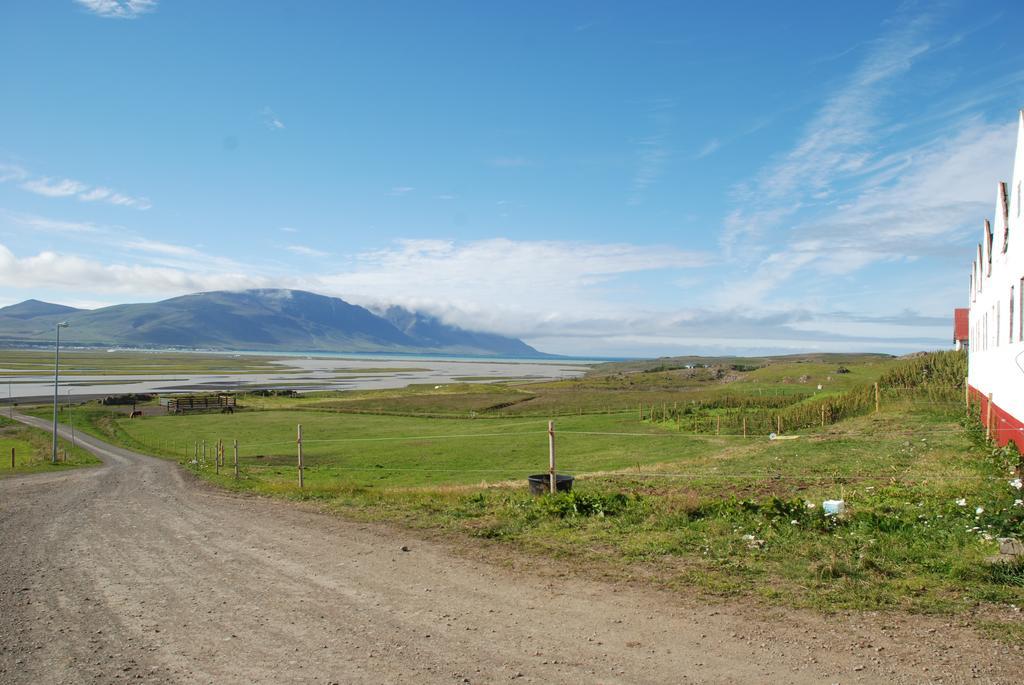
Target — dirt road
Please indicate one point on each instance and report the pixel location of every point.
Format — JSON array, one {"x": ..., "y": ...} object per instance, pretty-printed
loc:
[{"x": 134, "y": 572}]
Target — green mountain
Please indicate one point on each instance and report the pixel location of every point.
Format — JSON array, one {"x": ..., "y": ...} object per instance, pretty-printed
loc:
[{"x": 271, "y": 320}]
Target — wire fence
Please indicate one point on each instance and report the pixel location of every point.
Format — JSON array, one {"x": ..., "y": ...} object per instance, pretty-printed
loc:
[
  {"x": 657, "y": 437},
  {"x": 279, "y": 457}
]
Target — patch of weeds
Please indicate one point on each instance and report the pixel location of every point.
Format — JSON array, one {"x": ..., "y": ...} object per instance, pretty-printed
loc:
[
  {"x": 583, "y": 504},
  {"x": 1007, "y": 573}
]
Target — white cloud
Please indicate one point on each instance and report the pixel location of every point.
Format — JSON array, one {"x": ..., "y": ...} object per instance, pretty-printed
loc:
[
  {"x": 709, "y": 148},
  {"x": 398, "y": 191},
  {"x": 95, "y": 194},
  {"x": 307, "y": 251},
  {"x": 153, "y": 246},
  {"x": 67, "y": 187},
  {"x": 46, "y": 225},
  {"x": 837, "y": 142},
  {"x": 289, "y": 229},
  {"x": 921, "y": 202},
  {"x": 51, "y": 188},
  {"x": 501, "y": 284},
  {"x": 558, "y": 296},
  {"x": 118, "y": 9},
  {"x": 834, "y": 205},
  {"x": 11, "y": 172},
  {"x": 52, "y": 270},
  {"x": 272, "y": 121}
]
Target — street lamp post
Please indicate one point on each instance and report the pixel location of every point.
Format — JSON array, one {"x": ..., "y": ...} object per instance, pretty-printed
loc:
[{"x": 56, "y": 377}]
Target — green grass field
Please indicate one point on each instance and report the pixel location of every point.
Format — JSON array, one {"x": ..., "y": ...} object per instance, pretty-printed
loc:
[
  {"x": 724, "y": 514},
  {"x": 33, "y": 450}
]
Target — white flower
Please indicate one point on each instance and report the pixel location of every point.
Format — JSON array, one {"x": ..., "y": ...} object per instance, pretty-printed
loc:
[
  {"x": 795, "y": 522},
  {"x": 979, "y": 511},
  {"x": 809, "y": 505},
  {"x": 961, "y": 502},
  {"x": 1018, "y": 502},
  {"x": 1017, "y": 483}
]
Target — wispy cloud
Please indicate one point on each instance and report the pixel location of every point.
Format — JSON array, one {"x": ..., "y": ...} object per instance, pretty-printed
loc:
[
  {"x": 67, "y": 187},
  {"x": 12, "y": 172},
  {"x": 307, "y": 251},
  {"x": 118, "y": 9},
  {"x": 47, "y": 225},
  {"x": 289, "y": 229},
  {"x": 399, "y": 191},
  {"x": 825, "y": 195},
  {"x": 272, "y": 121},
  {"x": 709, "y": 148},
  {"x": 652, "y": 151},
  {"x": 51, "y": 188},
  {"x": 154, "y": 246},
  {"x": 835, "y": 143}
]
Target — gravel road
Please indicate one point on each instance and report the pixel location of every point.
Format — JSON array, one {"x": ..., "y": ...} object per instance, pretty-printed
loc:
[{"x": 134, "y": 571}]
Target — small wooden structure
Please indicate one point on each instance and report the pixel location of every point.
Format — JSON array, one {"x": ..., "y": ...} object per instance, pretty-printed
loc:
[{"x": 184, "y": 404}]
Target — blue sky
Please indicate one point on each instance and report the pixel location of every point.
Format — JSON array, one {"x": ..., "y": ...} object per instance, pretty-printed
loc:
[{"x": 596, "y": 178}]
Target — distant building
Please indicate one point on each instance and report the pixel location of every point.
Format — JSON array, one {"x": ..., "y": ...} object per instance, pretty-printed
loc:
[
  {"x": 996, "y": 315},
  {"x": 961, "y": 328}
]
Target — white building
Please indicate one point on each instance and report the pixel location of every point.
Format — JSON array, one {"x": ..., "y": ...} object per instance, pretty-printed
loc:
[{"x": 996, "y": 347}]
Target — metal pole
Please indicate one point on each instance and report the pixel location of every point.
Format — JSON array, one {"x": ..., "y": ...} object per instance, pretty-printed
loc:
[{"x": 56, "y": 378}]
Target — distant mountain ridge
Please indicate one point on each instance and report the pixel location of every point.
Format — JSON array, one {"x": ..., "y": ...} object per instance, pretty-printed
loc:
[{"x": 266, "y": 320}]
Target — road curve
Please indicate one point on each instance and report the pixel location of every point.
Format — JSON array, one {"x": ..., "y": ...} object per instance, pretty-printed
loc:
[{"x": 133, "y": 571}]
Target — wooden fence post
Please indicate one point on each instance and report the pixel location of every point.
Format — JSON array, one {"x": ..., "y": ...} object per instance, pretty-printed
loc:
[
  {"x": 988, "y": 418},
  {"x": 204, "y": 452},
  {"x": 778, "y": 424},
  {"x": 878, "y": 398},
  {"x": 298, "y": 442},
  {"x": 236, "y": 460},
  {"x": 552, "y": 475},
  {"x": 12, "y": 458},
  {"x": 823, "y": 416},
  {"x": 216, "y": 456},
  {"x": 744, "y": 426}
]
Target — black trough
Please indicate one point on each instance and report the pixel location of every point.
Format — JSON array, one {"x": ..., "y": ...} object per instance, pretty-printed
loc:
[{"x": 541, "y": 483}]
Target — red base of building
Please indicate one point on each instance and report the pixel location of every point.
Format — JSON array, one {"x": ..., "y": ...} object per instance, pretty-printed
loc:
[{"x": 1005, "y": 428}]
